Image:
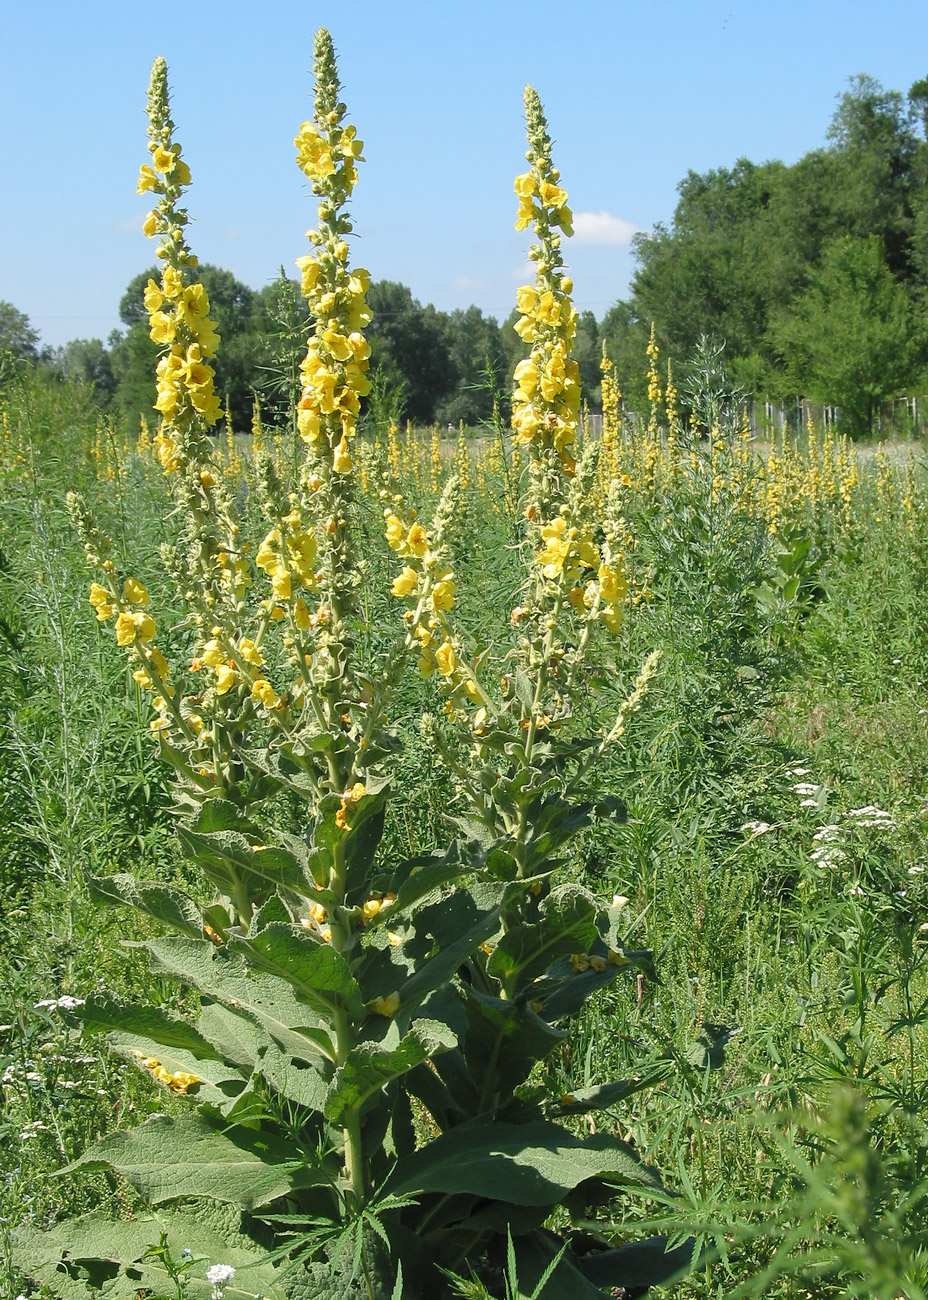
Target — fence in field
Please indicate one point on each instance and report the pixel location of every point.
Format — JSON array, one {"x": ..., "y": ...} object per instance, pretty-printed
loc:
[
  {"x": 898, "y": 416},
  {"x": 895, "y": 418}
]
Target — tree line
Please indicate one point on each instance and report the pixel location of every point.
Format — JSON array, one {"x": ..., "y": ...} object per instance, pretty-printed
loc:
[
  {"x": 814, "y": 276},
  {"x": 427, "y": 365}
]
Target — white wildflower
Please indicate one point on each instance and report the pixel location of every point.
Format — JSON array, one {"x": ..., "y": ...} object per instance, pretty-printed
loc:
[
  {"x": 619, "y": 901},
  {"x": 805, "y": 787},
  {"x": 757, "y": 828},
  {"x": 217, "y": 1275},
  {"x": 808, "y": 803}
]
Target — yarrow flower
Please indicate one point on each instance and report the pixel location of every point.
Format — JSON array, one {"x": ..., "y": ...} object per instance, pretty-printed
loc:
[{"x": 217, "y": 1275}]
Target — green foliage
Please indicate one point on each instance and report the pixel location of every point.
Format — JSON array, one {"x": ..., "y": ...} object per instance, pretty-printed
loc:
[
  {"x": 767, "y": 256},
  {"x": 849, "y": 338}
]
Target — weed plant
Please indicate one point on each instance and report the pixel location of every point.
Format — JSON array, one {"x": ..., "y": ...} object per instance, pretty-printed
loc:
[{"x": 773, "y": 858}]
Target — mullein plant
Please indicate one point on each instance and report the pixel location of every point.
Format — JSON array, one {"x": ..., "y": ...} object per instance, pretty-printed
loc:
[{"x": 360, "y": 1086}]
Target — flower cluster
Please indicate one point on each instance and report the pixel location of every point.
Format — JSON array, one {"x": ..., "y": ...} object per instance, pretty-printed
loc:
[
  {"x": 179, "y": 1081},
  {"x": 333, "y": 372},
  {"x": 429, "y": 582},
  {"x": 126, "y": 602},
  {"x": 546, "y": 400},
  {"x": 178, "y": 309}
]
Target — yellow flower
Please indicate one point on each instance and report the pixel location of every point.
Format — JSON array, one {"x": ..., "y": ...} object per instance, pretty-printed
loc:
[
  {"x": 385, "y": 1006},
  {"x": 225, "y": 679},
  {"x": 152, "y": 297},
  {"x": 250, "y": 653},
  {"x": 526, "y": 297},
  {"x": 163, "y": 160},
  {"x": 193, "y": 306},
  {"x": 281, "y": 582},
  {"x": 526, "y": 376},
  {"x": 171, "y": 283},
  {"x": 445, "y": 659},
  {"x": 145, "y": 625},
  {"x": 213, "y": 654},
  {"x": 162, "y": 328},
  {"x": 417, "y": 540},
  {"x": 100, "y": 599},
  {"x": 341, "y": 458},
  {"x": 150, "y": 225},
  {"x": 396, "y": 533},
  {"x": 134, "y": 592},
  {"x": 443, "y": 594},
  {"x": 406, "y": 583},
  {"x": 369, "y": 908},
  {"x": 612, "y": 584},
  {"x": 147, "y": 179},
  {"x": 264, "y": 692},
  {"x": 125, "y": 628}
]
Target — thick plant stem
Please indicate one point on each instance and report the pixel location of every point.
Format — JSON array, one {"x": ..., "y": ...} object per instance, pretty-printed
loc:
[{"x": 354, "y": 1151}]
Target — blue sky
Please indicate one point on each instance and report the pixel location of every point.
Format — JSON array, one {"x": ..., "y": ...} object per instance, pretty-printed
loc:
[{"x": 636, "y": 94}]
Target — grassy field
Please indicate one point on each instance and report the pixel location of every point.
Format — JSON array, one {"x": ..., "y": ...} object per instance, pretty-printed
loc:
[{"x": 773, "y": 856}]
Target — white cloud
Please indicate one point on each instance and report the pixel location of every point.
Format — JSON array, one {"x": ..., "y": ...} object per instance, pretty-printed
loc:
[
  {"x": 602, "y": 228},
  {"x": 469, "y": 284}
]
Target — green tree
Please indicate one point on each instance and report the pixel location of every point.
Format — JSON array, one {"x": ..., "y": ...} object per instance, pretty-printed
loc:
[
  {"x": 410, "y": 348},
  {"x": 87, "y": 361},
  {"x": 479, "y": 362},
  {"x": 244, "y": 327},
  {"x": 849, "y": 339},
  {"x": 747, "y": 242},
  {"x": 17, "y": 337}
]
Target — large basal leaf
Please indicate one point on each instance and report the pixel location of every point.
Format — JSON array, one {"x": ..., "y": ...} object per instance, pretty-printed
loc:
[
  {"x": 225, "y": 855},
  {"x": 530, "y": 1164},
  {"x": 265, "y": 999},
  {"x": 163, "y": 903},
  {"x": 103, "y": 1011},
  {"x": 535, "y": 1253},
  {"x": 296, "y": 1081},
  {"x": 369, "y": 1067},
  {"x": 640, "y": 1264},
  {"x": 566, "y": 924},
  {"x": 108, "y": 1247},
  {"x": 235, "y": 1037},
  {"x": 318, "y": 974},
  {"x": 167, "y": 1159}
]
